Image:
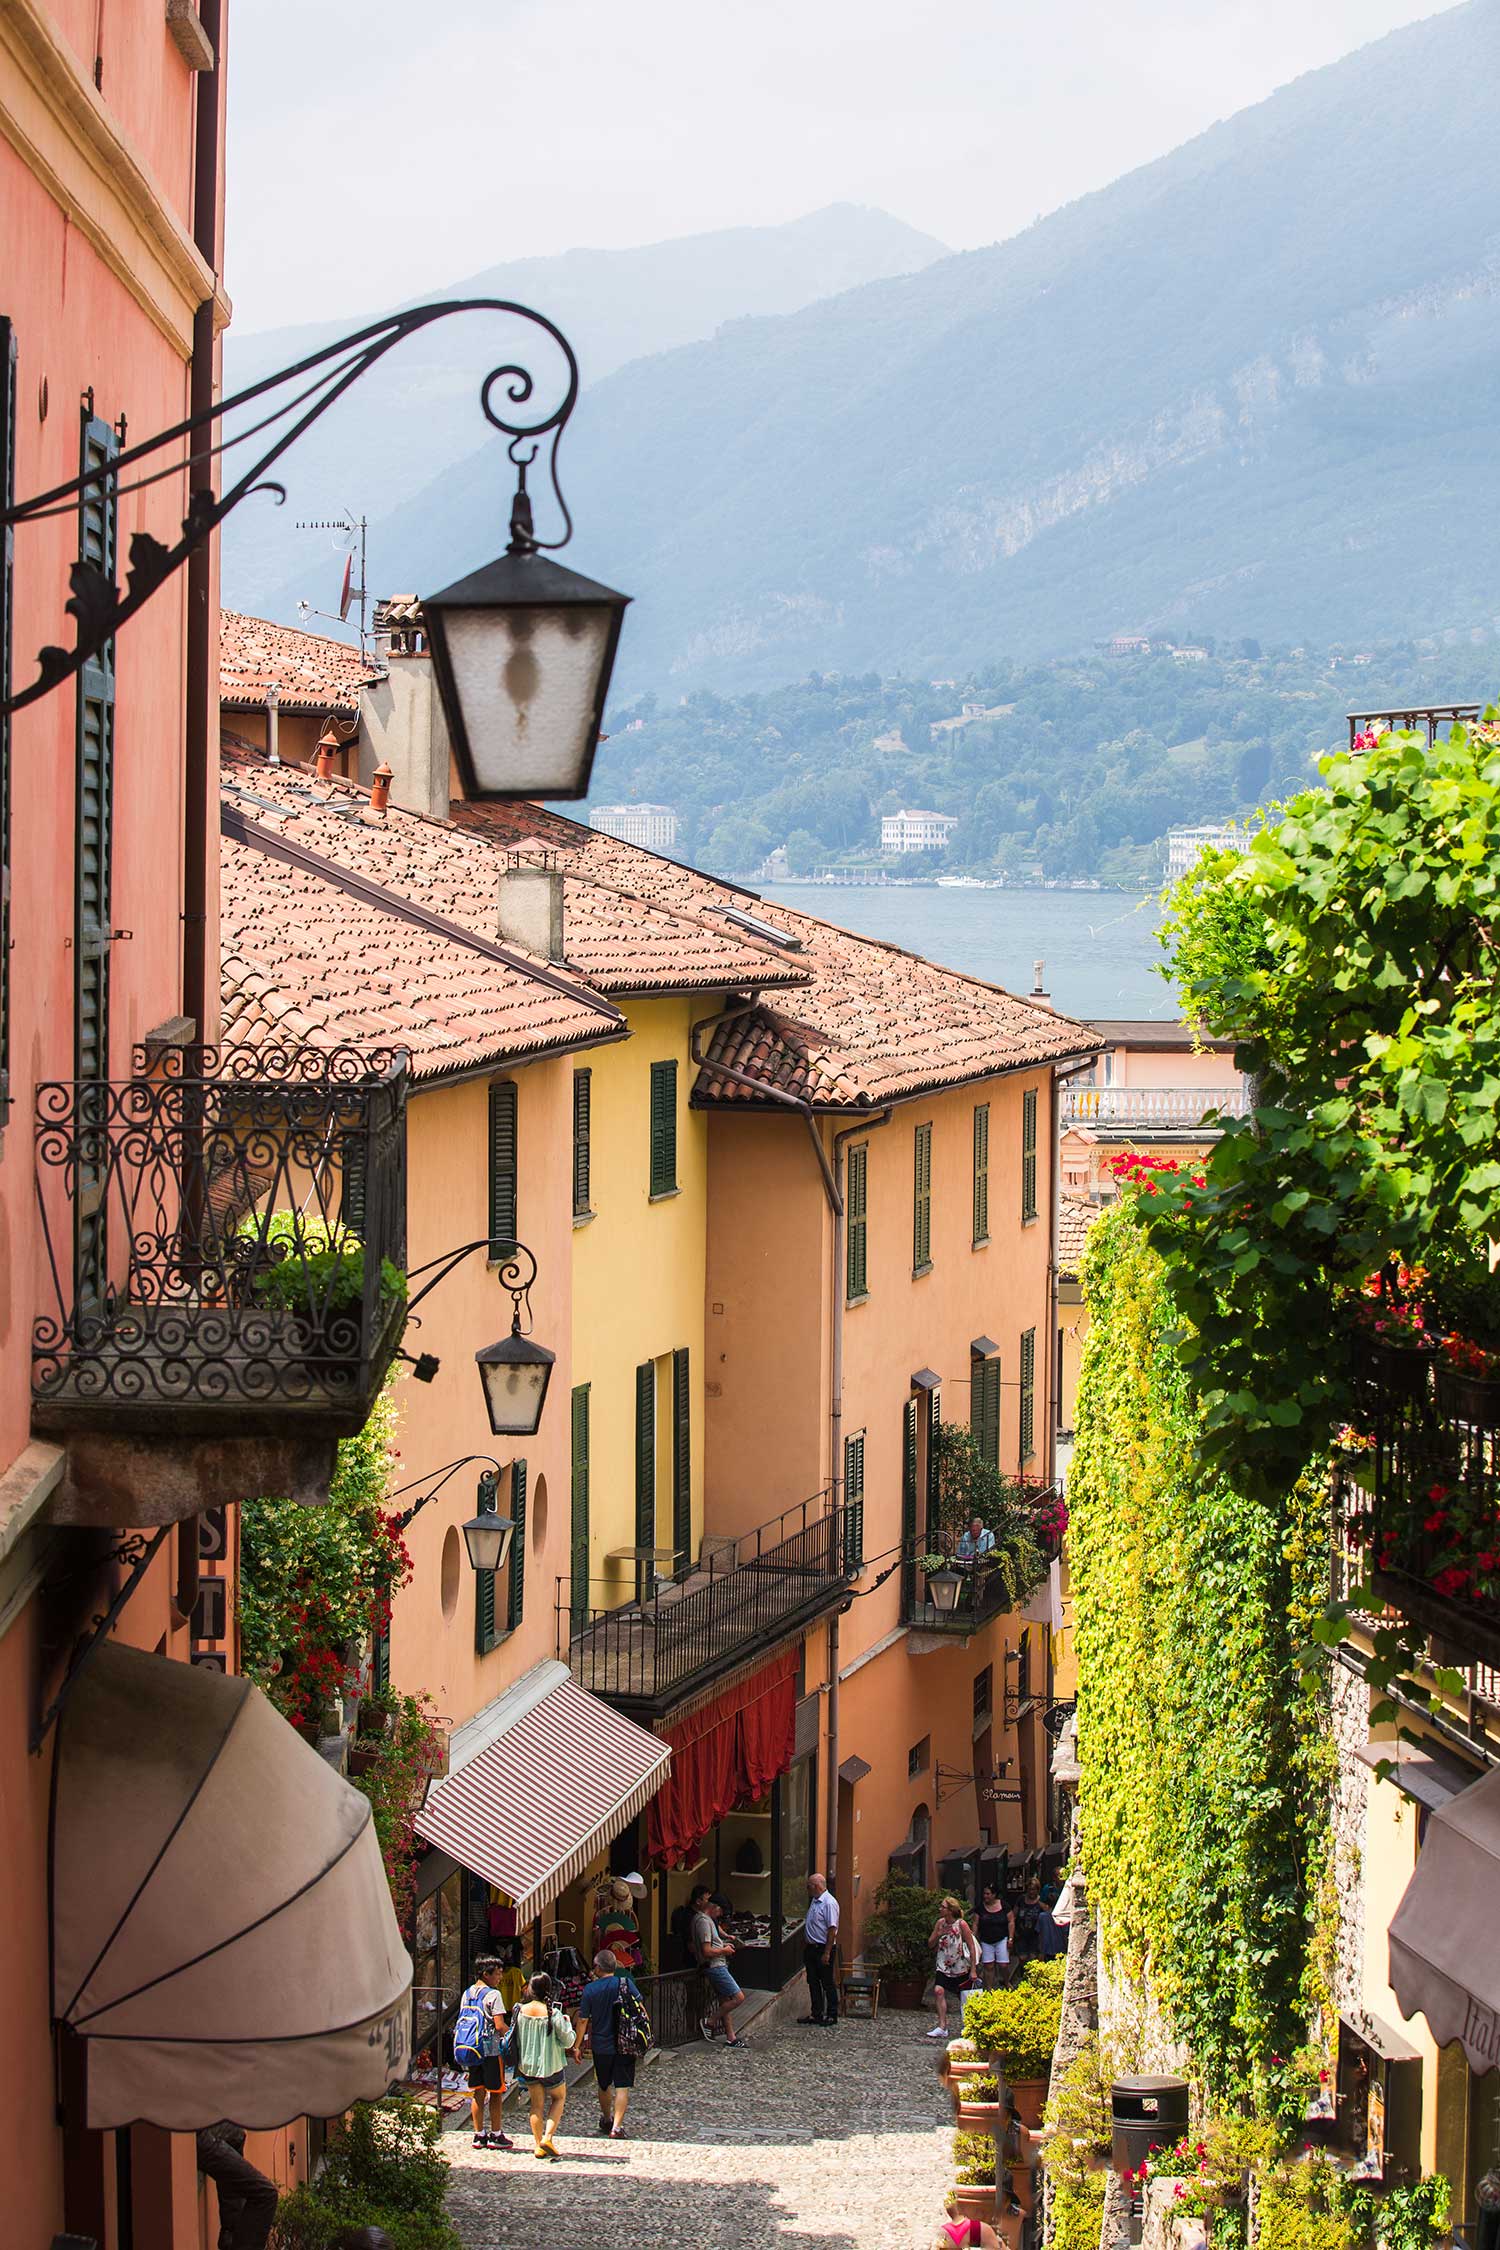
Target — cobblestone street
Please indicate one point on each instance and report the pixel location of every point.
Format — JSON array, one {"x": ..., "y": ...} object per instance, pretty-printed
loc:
[{"x": 805, "y": 2140}]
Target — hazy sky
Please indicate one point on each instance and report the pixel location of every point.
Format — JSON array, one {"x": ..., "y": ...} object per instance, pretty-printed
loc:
[{"x": 380, "y": 150}]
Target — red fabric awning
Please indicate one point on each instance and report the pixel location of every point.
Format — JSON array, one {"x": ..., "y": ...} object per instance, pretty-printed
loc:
[{"x": 726, "y": 1752}]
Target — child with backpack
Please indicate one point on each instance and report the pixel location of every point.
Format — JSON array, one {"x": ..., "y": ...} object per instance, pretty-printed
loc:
[{"x": 478, "y": 2031}]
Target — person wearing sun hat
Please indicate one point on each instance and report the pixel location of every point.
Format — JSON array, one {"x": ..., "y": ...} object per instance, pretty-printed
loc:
[{"x": 617, "y": 1928}]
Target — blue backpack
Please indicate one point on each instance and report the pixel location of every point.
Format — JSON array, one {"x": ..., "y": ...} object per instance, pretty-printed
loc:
[{"x": 471, "y": 2027}]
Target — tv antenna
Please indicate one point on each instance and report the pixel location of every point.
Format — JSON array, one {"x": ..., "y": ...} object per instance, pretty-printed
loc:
[{"x": 348, "y": 533}]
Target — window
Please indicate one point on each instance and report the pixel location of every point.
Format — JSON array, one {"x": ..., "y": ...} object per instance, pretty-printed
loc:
[
  {"x": 8, "y": 397},
  {"x": 578, "y": 1527},
  {"x": 583, "y": 1081},
  {"x": 921, "y": 1200},
  {"x": 984, "y": 1408},
  {"x": 664, "y": 1128},
  {"x": 503, "y": 1229},
  {"x": 517, "y": 1588},
  {"x": 1028, "y": 1394},
  {"x": 984, "y": 1694},
  {"x": 919, "y": 1757},
  {"x": 981, "y": 1173},
  {"x": 486, "y": 1636},
  {"x": 1028, "y": 1155},
  {"x": 682, "y": 1461},
  {"x": 854, "y": 1503},
  {"x": 857, "y": 1225}
]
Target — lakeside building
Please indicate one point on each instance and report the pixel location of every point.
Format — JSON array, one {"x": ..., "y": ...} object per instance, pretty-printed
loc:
[
  {"x": 916, "y": 831},
  {"x": 653, "y": 826},
  {"x": 1186, "y": 846}
]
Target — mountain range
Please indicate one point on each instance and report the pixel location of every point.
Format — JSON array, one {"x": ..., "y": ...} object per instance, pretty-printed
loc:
[
  {"x": 417, "y": 413},
  {"x": 1249, "y": 388}
]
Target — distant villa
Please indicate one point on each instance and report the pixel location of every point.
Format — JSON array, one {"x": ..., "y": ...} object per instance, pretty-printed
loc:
[
  {"x": 653, "y": 826},
  {"x": 916, "y": 831}
]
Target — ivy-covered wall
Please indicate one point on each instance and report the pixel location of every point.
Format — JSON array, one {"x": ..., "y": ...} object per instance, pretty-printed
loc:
[{"x": 1205, "y": 1752}]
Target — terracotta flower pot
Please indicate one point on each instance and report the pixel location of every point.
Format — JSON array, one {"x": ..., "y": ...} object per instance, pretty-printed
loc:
[
  {"x": 1029, "y": 2096},
  {"x": 978, "y": 2117},
  {"x": 973, "y": 2203},
  {"x": 902, "y": 1992},
  {"x": 1008, "y": 2225}
]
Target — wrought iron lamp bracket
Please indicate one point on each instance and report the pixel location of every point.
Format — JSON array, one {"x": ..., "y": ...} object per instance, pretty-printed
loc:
[
  {"x": 516, "y": 1268},
  {"x": 137, "y": 1550},
  {"x": 100, "y": 608}
]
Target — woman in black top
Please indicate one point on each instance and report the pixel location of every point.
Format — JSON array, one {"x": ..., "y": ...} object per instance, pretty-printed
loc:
[{"x": 994, "y": 1931}]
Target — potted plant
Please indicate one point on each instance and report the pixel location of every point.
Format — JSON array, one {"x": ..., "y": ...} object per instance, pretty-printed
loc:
[
  {"x": 896, "y": 1938},
  {"x": 1468, "y": 1382},
  {"x": 315, "y": 1274},
  {"x": 972, "y": 2195},
  {"x": 1391, "y": 1331},
  {"x": 1018, "y": 2029},
  {"x": 964, "y": 2061}
]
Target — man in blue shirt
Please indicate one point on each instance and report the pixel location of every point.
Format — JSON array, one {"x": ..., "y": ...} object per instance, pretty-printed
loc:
[
  {"x": 977, "y": 1542},
  {"x": 614, "y": 2073},
  {"x": 820, "y": 1937}
]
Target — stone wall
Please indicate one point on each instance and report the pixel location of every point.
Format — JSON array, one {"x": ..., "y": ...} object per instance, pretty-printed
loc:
[{"x": 1351, "y": 1730}]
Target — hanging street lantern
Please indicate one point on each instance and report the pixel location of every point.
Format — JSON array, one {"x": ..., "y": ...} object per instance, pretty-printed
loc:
[
  {"x": 943, "y": 1590},
  {"x": 488, "y": 1534},
  {"x": 515, "y": 1374}
]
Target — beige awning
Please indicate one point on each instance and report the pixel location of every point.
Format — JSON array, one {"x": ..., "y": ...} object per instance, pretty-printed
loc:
[
  {"x": 538, "y": 1784},
  {"x": 1445, "y": 1934},
  {"x": 223, "y": 1937}
]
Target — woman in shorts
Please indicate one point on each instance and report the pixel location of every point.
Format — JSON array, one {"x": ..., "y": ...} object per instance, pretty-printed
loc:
[
  {"x": 994, "y": 1936},
  {"x": 957, "y": 1951}
]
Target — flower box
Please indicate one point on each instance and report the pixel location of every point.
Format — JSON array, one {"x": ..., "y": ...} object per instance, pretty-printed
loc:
[{"x": 1474, "y": 1399}]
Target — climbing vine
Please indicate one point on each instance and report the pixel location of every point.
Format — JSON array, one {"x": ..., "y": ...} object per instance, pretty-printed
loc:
[{"x": 1206, "y": 1757}]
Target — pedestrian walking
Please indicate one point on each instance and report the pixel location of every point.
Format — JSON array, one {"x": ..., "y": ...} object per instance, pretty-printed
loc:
[
  {"x": 478, "y": 2031},
  {"x": 247, "y": 2199},
  {"x": 613, "y": 2015},
  {"x": 957, "y": 1951},
  {"x": 820, "y": 1938},
  {"x": 543, "y": 2039},
  {"x": 712, "y": 1948},
  {"x": 1028, "y": 1940},
  {"x": 994, "y": 1932}
]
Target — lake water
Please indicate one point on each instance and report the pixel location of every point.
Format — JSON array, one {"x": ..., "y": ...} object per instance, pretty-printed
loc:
[{"x": 1099, "y": 947}]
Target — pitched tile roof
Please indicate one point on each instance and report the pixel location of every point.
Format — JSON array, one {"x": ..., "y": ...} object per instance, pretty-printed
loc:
[
  {"x": 1075, "y": 1216},
  {"x": 311, "y": 672},
  {"x": 615, "y": 943},
  {"x": 304, "y": 956},
  {"x": 872, "y": 1024}
]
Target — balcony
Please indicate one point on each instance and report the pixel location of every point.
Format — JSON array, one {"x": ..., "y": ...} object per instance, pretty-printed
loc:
[
  {"x": 1424, "y": 1504},
  {"x": 647, "y": 1655},
  {"x": 1428, "y": 715},
  {"x": 985, "y": 1587},
  {"x": 1152, "y": 1112},
  {"x": 224, "y": 1236}
]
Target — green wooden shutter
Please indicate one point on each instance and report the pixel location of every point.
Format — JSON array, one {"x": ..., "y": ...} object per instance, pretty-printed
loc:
[
  {"x": 856, "y": 1223},
  {"x": 503, "y": 1226},
  {"x": 485, "y": 1635},
  {"x": 578, "y": 1529},
  {"x": 645, "y": 1454},
  {"x": 582, "y": 1104},
  {"x": 98, "y": 519},
  {"x": 380, "y": 1663},
  {"x": 1028, "y": 1394},
  {"x": 909, "y": 1499},
  {"x": 682, "y": 1461},
  {"x": 1028, "y": 1154},
  {"x": 517, "y": 1545},
  {"x": 663, "y": 1128},
  {"x": 921, "y": 1208},
  {"x": 982, "y": 1172},
  {"x": 984, "y": 1409},
  {"x": 8, "y": 418},
  {"x": 854, "y": 1503},
  {"x": 934, "y": 1423}
]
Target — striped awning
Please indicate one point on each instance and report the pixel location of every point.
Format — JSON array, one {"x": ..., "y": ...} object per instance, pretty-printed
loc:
[{"x": 538, "y": 1784}]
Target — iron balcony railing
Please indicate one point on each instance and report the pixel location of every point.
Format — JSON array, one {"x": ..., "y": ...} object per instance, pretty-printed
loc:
[
  {"x": 742, "y": 1596},
  {"x": 1145, "y": 1109},
  {"x": 1423, "y": 1485},
  {"x": 225, "y": 1238},
  {"x": 984, "y": 1588},
  {"x": 1428, "y": 715}
]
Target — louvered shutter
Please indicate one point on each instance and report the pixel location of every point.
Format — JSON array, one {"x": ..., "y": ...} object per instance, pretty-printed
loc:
[
  {"x": 645, "y": 1454},
  {"x": 380, "y": 1663},
  {"x": 934, "y": 1503},
  {"x": 921, "y": 1216},
  {"x": 982, "y": 1172},
  {"x": 485, "y": 1635},
  {"x": 8, "y": 397},
  {"x": 984, "y": 1410},
  {"x": 578, "y": 1529},
  {"x": 1028, "y": 1154},
  {"x": 1028, "y": 1394},
  {"x": 854, "y": 1504},
  {"x": 582, "y": 1105},
  {"x": 856, "y": 1223},
  {"x": 98, "y": 516},
  {"x": 909, "y": 1499},
  {"x": 517, "y": 1545},
  {"x": 663, "y": 1128},
  {"x": 503, "y": 1227},
  {"x": 682, "y": 1461}
]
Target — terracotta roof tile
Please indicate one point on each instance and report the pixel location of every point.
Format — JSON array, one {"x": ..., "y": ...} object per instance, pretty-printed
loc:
[
  {"x": 1075, "y": 1216},
  {"x": 311, "y": 672}
]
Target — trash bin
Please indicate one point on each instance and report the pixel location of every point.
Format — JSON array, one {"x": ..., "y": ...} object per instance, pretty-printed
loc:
[{"x": 1145, "y": 2113}]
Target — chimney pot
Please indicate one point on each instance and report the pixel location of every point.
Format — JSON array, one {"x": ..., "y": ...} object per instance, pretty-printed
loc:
[{"x": 380, "y": 788}]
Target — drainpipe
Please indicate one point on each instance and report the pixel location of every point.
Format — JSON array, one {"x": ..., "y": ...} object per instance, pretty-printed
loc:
[
  {"x": 836, "y": 1459},
  {"x": 201, "y": 745}
]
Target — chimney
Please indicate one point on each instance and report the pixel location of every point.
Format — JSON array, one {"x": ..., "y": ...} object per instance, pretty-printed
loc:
[
  {"x": 1039, "y": 981},
  {"x": 380, "y": 789},
  {"x": 273, "y": 698},
  {"x": 401, "y": 720},
  {"x": 531, "y": 904}
]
